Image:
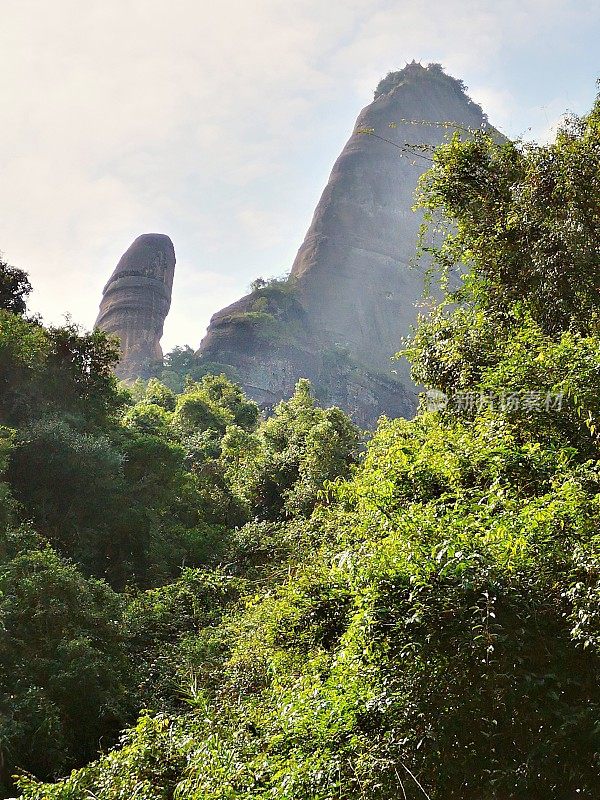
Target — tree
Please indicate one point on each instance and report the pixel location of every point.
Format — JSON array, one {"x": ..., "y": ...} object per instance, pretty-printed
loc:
[
  {"x": 63, "y": 675},
  {"x": 230, "y": 397},
  {"x": 14, "y": 288},
  {"x": 280, "y": 470},
  {"x": 526, "y": 223},
  {"x": 196, "y": 413},
  {"x": 56, "y": 370}
]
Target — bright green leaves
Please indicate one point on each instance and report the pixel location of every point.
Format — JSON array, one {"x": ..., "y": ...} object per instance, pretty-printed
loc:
[
  {"x": 525, "y": 221},
  {"x": 280, "y": 471}
]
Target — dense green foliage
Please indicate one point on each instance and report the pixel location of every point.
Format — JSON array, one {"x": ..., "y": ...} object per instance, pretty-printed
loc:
[
  {"x": 421, "y": 621},
  {"x": 62, "y": 689},
  {"x": 182, "y": 364},
  {"x": 14, "y": 288},
  {"x": 107, "y": 492}
]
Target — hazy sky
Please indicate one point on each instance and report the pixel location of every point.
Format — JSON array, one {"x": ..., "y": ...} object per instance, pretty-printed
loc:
[{"x": 218, "y": 123}]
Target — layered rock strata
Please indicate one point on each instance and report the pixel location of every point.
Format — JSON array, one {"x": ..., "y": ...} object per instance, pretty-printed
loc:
[{"x": 136, "y": 301}]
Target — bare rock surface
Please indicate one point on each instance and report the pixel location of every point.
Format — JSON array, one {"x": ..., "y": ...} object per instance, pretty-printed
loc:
[
  {"x": 355, "y": 286},
  {"x": 356, "y": 271},
  {"x": 136, "y": 301}
]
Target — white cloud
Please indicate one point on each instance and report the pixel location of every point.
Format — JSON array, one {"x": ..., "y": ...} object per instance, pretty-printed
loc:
[{"x": 214, "y": 123}]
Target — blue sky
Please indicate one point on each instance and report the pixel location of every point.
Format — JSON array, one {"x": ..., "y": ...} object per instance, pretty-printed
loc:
[{"x": 218, "y": 123}]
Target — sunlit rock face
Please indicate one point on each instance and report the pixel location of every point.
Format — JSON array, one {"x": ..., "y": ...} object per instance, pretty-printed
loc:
[
  {"x": 136, "y": 301},
  {"x": 356, "y": 270},
  {"x": 354, "y": 288}
]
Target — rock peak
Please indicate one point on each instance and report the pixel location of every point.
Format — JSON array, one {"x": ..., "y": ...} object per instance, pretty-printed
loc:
[
  {"x": 354, "y": 289},
  {"x": 136, "y": 301},
  {"x": 420, "y": 75}
]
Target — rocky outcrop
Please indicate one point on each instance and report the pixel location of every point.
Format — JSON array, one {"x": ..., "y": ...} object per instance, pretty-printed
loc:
[
  {"x": 354, "y": 286},
  {"x": 266, "y": 343},
  {"x": 136, "y": 301}
]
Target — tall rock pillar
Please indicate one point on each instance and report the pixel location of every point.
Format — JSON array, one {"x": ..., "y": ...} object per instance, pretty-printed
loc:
[{"x": 136, "y": 301}]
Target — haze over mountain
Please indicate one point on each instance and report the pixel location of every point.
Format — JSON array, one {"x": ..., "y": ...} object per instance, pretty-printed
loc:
[
  {"x": 162, "y": 116},
  {"x": 354, "y": 286}
]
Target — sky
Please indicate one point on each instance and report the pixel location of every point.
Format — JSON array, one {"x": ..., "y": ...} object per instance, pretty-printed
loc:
[{"x": 218, "y": 123}]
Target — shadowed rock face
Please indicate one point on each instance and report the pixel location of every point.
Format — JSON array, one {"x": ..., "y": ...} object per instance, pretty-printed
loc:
[
  {"x": 136, "y": 301},
  {"x": 354, "y": 281}
]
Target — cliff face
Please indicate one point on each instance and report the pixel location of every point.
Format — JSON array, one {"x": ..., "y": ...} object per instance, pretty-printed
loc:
[
  {"x": 353, "y": 283},
  {"x": 136, "y": 301},
  {"x": 355, "y": 270}
]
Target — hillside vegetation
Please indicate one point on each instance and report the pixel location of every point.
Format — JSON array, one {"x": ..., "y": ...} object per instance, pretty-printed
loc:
[{"x": 267, "y": 609}]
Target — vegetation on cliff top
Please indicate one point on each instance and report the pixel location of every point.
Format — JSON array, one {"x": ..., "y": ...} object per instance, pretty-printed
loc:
[{"x": 415, "y": 72}]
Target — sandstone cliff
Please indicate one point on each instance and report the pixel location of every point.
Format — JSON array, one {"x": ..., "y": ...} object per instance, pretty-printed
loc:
[
  {"x": 353, "y": 288},
  {"x": 136, "y": 301}
]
